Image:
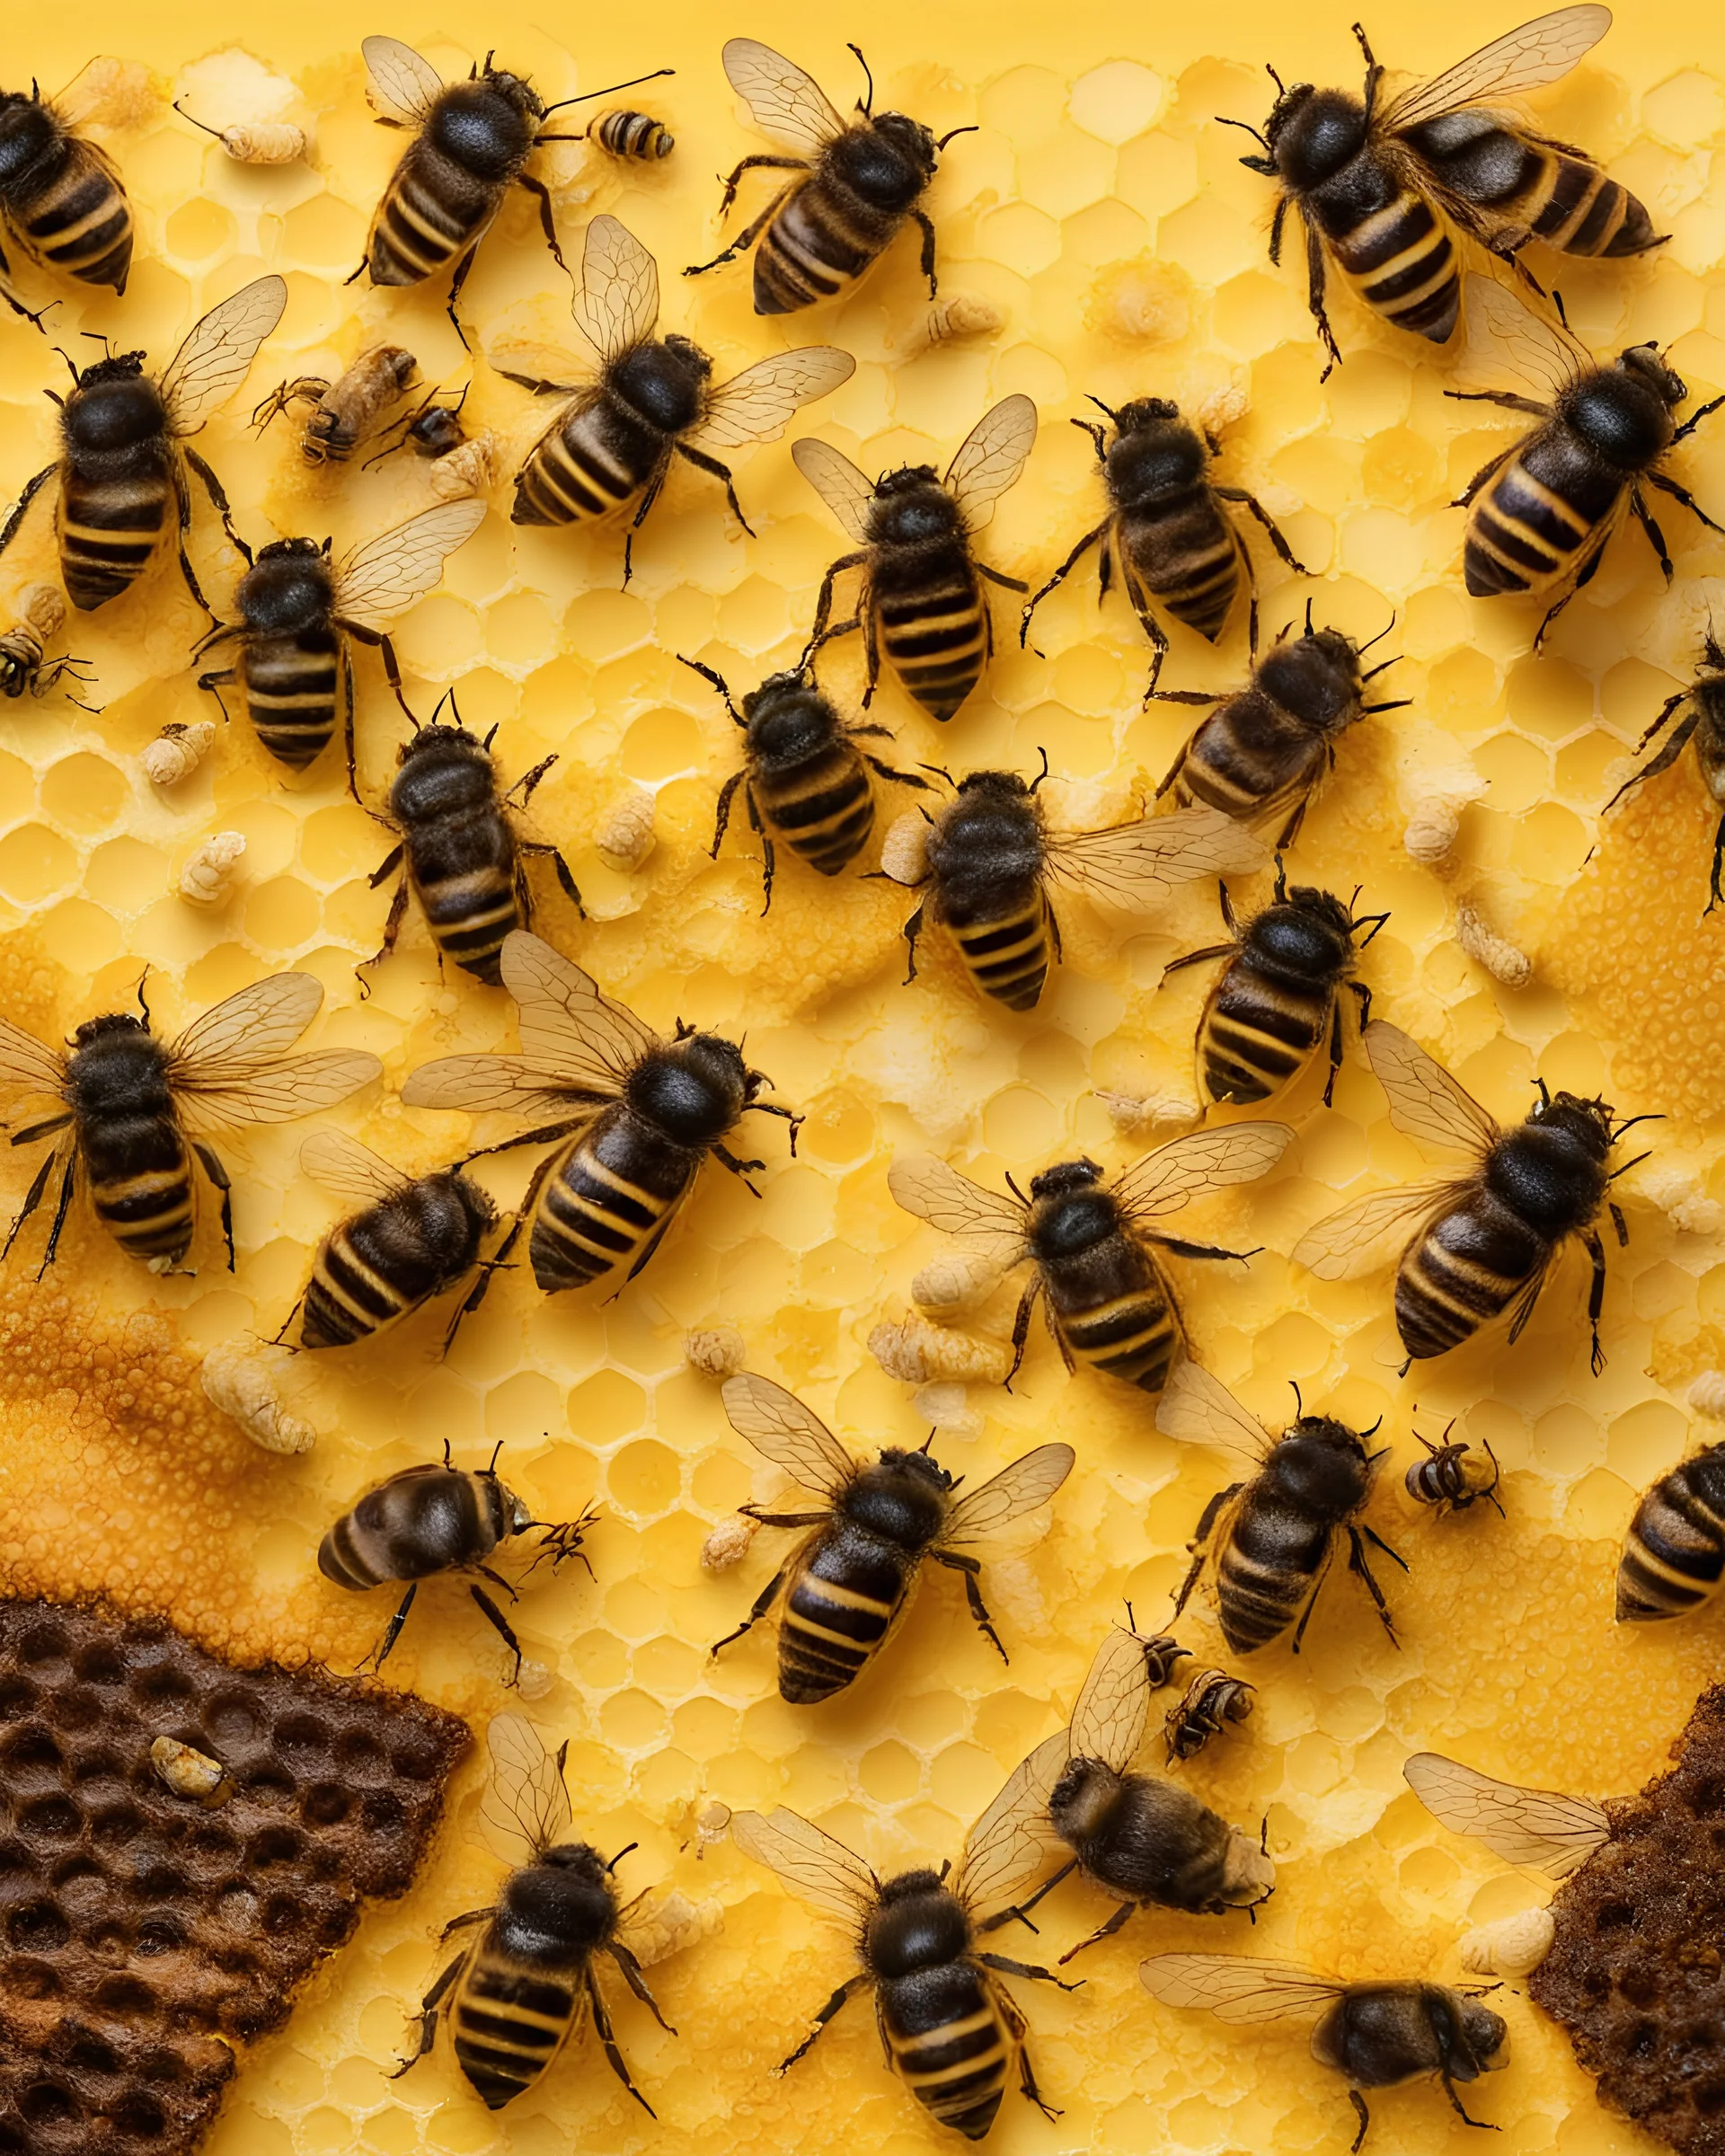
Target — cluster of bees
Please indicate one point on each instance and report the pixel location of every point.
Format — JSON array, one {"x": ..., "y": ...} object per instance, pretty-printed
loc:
[{"x": 1389, "y": 193}]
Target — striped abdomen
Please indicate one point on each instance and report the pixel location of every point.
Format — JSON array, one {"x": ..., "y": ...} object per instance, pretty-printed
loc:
[
  {"x": 1674, "y": 1553},
  {"x": 1268, "y": 1559},
  {"x": 290, "y": 683},
  {"x": 824, "y": 810},
  {"x": 1185, "y": 556},
  {"x": 386, "y": 1261},
  {"x": 77, "y": 219},
  {"x": 848, "y": 1589},
  {"x": 1549, "y": 192},
  {"x": 596, "y": 458},
  {"x": 140, "y": 1182},
  {"x": 432, "y": 211},
  {"x": 1251, "y": 758},
  {"x": 1256, "y": 1034},
  {"x": 932, "y": 621},
  {"x": 111, "y": 526},
  {"x": 948, "y": 2042},
  {"x": 1113, "y": 1309},
  {"x": 818, "y": 243},
  {"x": 509, "y": 2020},
  {"x": 1463, "y": 1270},
  {"x": 1006, "y": 945},
  {"x": 463, "y": 871},
  {"x": 1530, "y": 526},
  {"x": 606, "y": 1196},
  {"x": 1391, "y": 246}
]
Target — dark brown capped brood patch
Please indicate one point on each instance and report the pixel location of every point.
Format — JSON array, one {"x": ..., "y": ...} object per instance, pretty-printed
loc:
[
  {"x": 1635, "y": 1972},
  {"x": 142, "y": 1936}
]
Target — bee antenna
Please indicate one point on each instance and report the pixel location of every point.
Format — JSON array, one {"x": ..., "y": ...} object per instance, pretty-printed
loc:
[
  {"x": 1378, "y": 638},
  {"x": 1244, "y": 126},
  {"x": 1107, "y": 410},
  {"x": 867, "y": 106},
  {"x": 1299, "y": 1405},
  {"x": 585, "y": 95},
  {"x": 952, "y": 133},
  {"x": 946, "y": 1865},
  {"x": 448, "y": 1458},
  {"x": 628, "y": 1850},
  {"x": 1131, "y": 1621},
  {"x": 1376, "y": 1427},
  {"x": 70, "y": 366},
  {"x": 179, "y": 108},
  {"x": 1043, "y": 774},
  {"x": 938, "y": 770},
  {"x": 1653, "y": 1115},
  {"x": 143, "y": 1003},
  {"x": 491, "y": 1465},
  {"x": 491, "y": 736},
  {"x": 1308, "y": 614},
  {"x": 1281, "y": 87},
  {"x": 1013, "y": 1188}
]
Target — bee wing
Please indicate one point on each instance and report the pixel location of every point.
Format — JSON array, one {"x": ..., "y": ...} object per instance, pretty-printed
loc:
[
  {"x": 495, "y": 1085},
  {"x": 404, "y": 82},
  {"x": 378, "y": 580},
  {"x": 1107, "y": 1721},
  {"x": 990, "y": 459},
  {"x": 1008, "y": 1495},
  {"x": 1201, "y": 1409},
  {"x": 1541, "y": 51},
  {"x": 347, "y": 1169},
  {"x": 1425, "y": 1102},
  {"x": 568, "y": 1024},
  {"x": 786, "y": 104},
  {"x": 823, "y": 1872},
  {"x": 757, "y": 406},
  {"x": 951, "y": 1202},
  {"x": 526, "y": 1807},
  {"x": 1510, "y": 346},
  {"x": 847, "y": 492},
  {"x": 1356, "y": 1240},
  {"x": 616, "y": 302},
  {"x": 1015, "y": 1839},
  {"x": 1204, "y": 1160},
  {"x": 777, "y": 1422},
  {"x": 85, "y": 97},
  {"x": 230, "y": 1062},
  {"x": 28, "y": 1065},
  {"x": 212, "y": 362},
  {"x": 1544, "y": 1829},
  {"x": 1234, "y": 1987},
  {"x": 1134, "y": 867}
]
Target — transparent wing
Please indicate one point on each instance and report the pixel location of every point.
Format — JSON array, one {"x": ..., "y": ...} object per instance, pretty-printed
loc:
[
  {"x": 349, "y": 1170},
  {"x": 775, "y": 1422},
  {"x": 1009, "y": 1495},
  {"x": 526, "y": 1807},
  {"x": 1164, "y": 1181},
  {"x": 1425, "y": 1102},
  {"x": 847, "y": 492},
  {"x": 821, "y": 1871},
  {"x": 1360, "y": 1237},
  {"x": 1201, "y": 1409},
  {"x": 26, "y": 1065},
  {"x": 567, "y": 1025},
  {"x": 378, "y": 580},
  {"x": 1134, "y": 866},
  {"x": 1541, "y": 51},
  {"x": 212, "y": 362},
  {"x": 1014, "y": 1840},
  {"x": 87, "y": 97},
  {"x": 987, "y": 1219},
  {"x": 263, "y": 1021},
  {"x": 1107, "y": 1721},
  {"x": 757, "y": 406},
  {"x": 1235, "y": 1988},
  {"x": 616, "y": 302},
  {"x": 1542, "y": 1829},
  {"x": 406, "y": 84},
  {"x": 1509, "y": 346},
  {"x": 230, "y": 1064},
  {"x": 787, "y": 104},
  {"x": 500, "y": 1085},
  {"x": 990, "y": 459}
]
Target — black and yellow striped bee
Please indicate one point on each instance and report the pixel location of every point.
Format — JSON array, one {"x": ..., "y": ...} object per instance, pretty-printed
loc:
[
  {"x": 634, "y": 1116},
  {"x": 1379, "y": 189},
  {"x": 299, "y": 610},
  {"x": 847, "y": 1587},
  {"x": 60, "y": 198},
  {"x": 1271, "y": 1539},
  {"x": 1541, "y": 514},
  {"x": 637, "y": 137},
  {"x": 1108, "y": 1302},
  {"x": 922, "y": 603},
  {"x": 1211, "y": 1702},
  {"x": 861, "y": 180},
  {"x": 1453, "y": 1477},
  {"x": 1279, "y": 994},
  {"x": 949, "y": 2028},
  {"x": 1482, "y": 1244},
  {"x": 1674, "y": 1550},
  {"x": 125, "y": 449},
  {"x": 529, "y": 1982},
  {"x": 135, "y": 1111},
  {"x": 1704, "y": 724},
  {"x": 611, "y": 445}
]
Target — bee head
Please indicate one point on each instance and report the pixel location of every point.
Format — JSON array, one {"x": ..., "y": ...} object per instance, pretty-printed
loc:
[
  {"x": 1248, "y": 1872},
  {"x": 1064, "y": 1178},
  {"x": 1306, "y": 932},
  {"x": 1643, "y": 363},
  {"x": 923, "y": 1465},
  {"x": 788, "y": 720},
  {"x": 913, "y": 141},
  {"x": 108, "y": 1028},
  {"x": 293, "y": 550},
  {"x": 1311, "y": 134},
  {"x": 513, "y": 89},
  {"x": 1588, "y": 1122},
  {"x": 1155, "y": 452},
  {"x": 1482, "y": 2035},
  {"x": 689, "y": 353}
]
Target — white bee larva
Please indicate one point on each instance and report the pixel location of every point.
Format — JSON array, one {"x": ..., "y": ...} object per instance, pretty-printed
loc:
[
  {"x": 625, "y": 837},
  {"x": 917, "y": 1353},
  {"x": 666, "y": 1926},
  {"x": 729, "y": 1543},
  {"x": 255, "y": 141},
  {"x": 1221, "y": 409},
  {"x": 1707, "y": 1395},
  {"x": 718, "y": 1352},
  {"x": 1486, "y": 948},
  {"x": 1436, "y": 822},
  {"x": 176, "y": 752},
  {"x": 904, "y": 851},
  {"x": 947, "y": 1287},
  {"x": 947, "y": 1408},
  {"x": 952, "y": 318},
  {"x": 186, "y": 1772},
  {"x": 1134, "y": 1112},
  {"x": 43, "y": 606},
  {"x": 211, "y": 872},
  {"x": 1512, "y": 1947},
  {"x": 239, "y": 1378},
  {"x": 466, "y": 471}
]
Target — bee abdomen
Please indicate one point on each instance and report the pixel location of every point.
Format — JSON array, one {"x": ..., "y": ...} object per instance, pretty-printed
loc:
[
  {"x": 606, "y": 1199},
  {"x": 1529, "y": 525},
  {"x": 1248, "y": 758},
  {"x": 1008, "y": 957},
  {"x": 936, "y": 635},
  {"x": 110, "y": 530},
  {"x": 345, "y": 1298},
  {"x": 431, "y": 210},
  {"x": 840, "y": 1608},
  {"x": 826, "y": 821},
  {"x": 141, "y": 1184},
  {"x": 810, "y": 252},
  {"x": 1578, "y": 209},
  {"x": 1464, "y": 1270},
  {"x": 81, "y": 221},
  {"x": 1264, "y": 1575},
  {"x": 383, "y": 1262},
  {"x": 636, "y": 135},
  {"x": 590, "y": 464},
  {"x": 470, "y": 914},
  {"x": 1188, "y": 561},
  {"x": 1256, "y": 1035},
  {"x": 290, "y": 684},
  {"x": 1674, "y": 1553},
  {"x": 1134, "y": 1337},
  {"x": 1400, "y": 261},
  {"x": 507, "y": 2025},
  {"x": 948, "y": 2044}
]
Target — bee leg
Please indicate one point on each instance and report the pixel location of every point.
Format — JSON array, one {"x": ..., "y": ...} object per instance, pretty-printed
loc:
[
  {"x": 913, "y": 928},
  {"x": 1485, "y": 2124},
  {"x": 1006, "y": 582},
  {"x": 495, "y": 1617},
  {"x": 1199, "y": 957},
  {"x": 1273, "y": 530},
  {"x": 1655, "y": 536},
  {"x": 538, "y": 189},
  {"x": 703, "y": 463},
  {"x": 647, "y": 498},
  {"x": 497, "y": 1580},
  {"x": 381, "y": 1653},
  {"x": 217, "y": 1175},
  {"x": 1510, "y": 401},
  {"x": 871, "y": 653},
  {"x": 1199, "y": 1542},
  {"x": 1716, "y": 895},
  {"x": 430, "y": 2007},
  {"x": 1018, "y": 2029},
  {"x": 545, "y": 1136},
  {"x": 456, "y": 283},
  {"x": 1358, "y": 2102},
  {"x": 288, "y": 1322},
  {"x": 528, "y": 783},
  {"x": 637, "y": 1983},
  {"x": 1357, "y": 1564},
  {"x": 460, "y": 1923},
  {"x": 1033, "y": 1972},
  {"x": 885, "y": 771},
  {"x": 61, "y": 1210},
  {"x": 602, "y": 2028},
  {"x": 1183, "y": 1248},
  {"x": 561, "y": 868},
  {"x": 1682, "y": 494},
  {"x": 840, "y": 1999},
  {"x": 922, "y": 219},
  {"x": 32, "y": 487},
  {"x": 218, "y": 494},
  {"x": 1059, "y": 576},
  {"x": 969, "y": 1566},
  {"x": 1021, "y": 1319},
  {"x": 1689, "y": 426},
  {"x": 726, "y": 794},
  {"x": 183, "y": 497},
  {"x": 747, "y": 237},
  {"x": 1596, "y": 1294},
  {"x": 783, "y": 1519},
  {"x": 1668, "y": 754},
  {"x": 1335, "y": 1052},
  {"x": 392, "y": 924},
  {"x": 32, "y": 1198},
  {"x": 1020, "y": 1912},
  {"x": 762, "y": 1603},
  {"x": 819, "y": 634},
  {"x": 1106, "y": 1931},
  {"x": 539, "y": 387},
  {"x": 1315, "y": 272}
]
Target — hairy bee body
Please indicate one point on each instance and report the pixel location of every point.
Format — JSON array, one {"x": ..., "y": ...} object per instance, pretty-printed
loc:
[
  {"x": 459, "y": 848},
  {"x": 129, "y": 1137},
  {"x": 940, "y": 2014},
  {"x": 382, "y": 1263},
  {"x": 986, "y": 858},
  {"x": 837, "y": 224},
  {"x": 636, "y": 135},
  {"x": 120, "y": 481},
  {"x": 1148, "y": 1840},
  {"x": 1379, "y": 2036},
  {"x": 345, "y": 410},
  {"x": 929, "y": 610},
  {"x": 476, "y": 139},
  {"x": 60, "y": 197},
  {"x": 1278, "y": 997},
  {"x": 1543, "y": 188},
  {"x": 1176, "y": 544},
  {"x": 1108, "y": 1301},
  {"x": 422, "y": 1521},
  {"x": 806, "y": 777},
  {"x": 1211, "y": 1701},
  {"x": 1674, "y": 1552},
  {"x": 603, "y": 452},
  {"x": 1454, "y": 1478},
  {"x": 291, "y": 651}
]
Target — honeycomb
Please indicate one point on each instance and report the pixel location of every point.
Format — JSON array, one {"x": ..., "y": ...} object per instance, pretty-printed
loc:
[{"x": 1103, "y": 216}]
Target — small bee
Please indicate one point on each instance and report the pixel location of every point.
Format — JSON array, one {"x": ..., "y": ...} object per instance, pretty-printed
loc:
[
  {"x": 804, "y": 777},
  {"x": 1544, "y": 1830},
  {"x": 949, "y": 2029},
  {"x": 847, "y": 1585},
  {"x": 343, "y": 411},
  {"x": 417, "y": 1237},
  {"x": 459, "y": 853},
  {"x": 1484, "y": 1243},
  {"x": 1541, "y": 514},
  {"x": 60, "y": 197},
  {"x": 1378, "y": 190},
  {"x": 1272, "y": 1538},
  {"x": 635, "y": 137},
  {"x": 860, "y": 182},
  {"x": 636, "y": 1116},
  {"x": 1264, "y": 748},
  {"x": 1108, "y": 1301},
  {"x": 921, "y": 601},
  {"x": 297, "y": 611},
  {"x": 1168, "y": 533},
  {"x": 1375, "y": 2035},
  {"x": 125, "y": 449},
  {"x": 1454, "y": 1477},
  {"x": 1674, "y": 1551},
  {"x": 426, "y": 1520},
  {"x": 1279, "y": 994},
  {"x": 1212, "y": 1700},
  {"x": 432, "y": 429},
  {"x": 129, "y": 1105},
  {"x": 612, "y": 444},
  {"x": 1705, "y": 724},
  {"x": 514, "y": 1997},
  {"x": 25, "y": 667}
]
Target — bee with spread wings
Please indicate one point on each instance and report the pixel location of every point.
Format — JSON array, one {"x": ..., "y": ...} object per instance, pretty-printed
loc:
[
  {"x": 947, "y": 2026},
  {"x": 1108, "y": 1301},
  {"x": 611, "y": 445},
  {"x": 131, "y": 1109},
  {"x": 1544, "y": 1830}
]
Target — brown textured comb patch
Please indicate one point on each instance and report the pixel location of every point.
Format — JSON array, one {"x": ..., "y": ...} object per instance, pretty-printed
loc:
[
  {"x": 142, "y": 1935},
  {"x": 1635, "y": 1972}
]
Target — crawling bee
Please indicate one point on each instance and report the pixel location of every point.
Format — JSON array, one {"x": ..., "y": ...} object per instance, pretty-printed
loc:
[
  {"x": 1454, "y": 1477},
  {"x": 1704, "y": 724},
  {"x": 60, "y": 197},
  {"x": 1674, "y": 1550},
  {"x": 25, "y": 667},
  {"x": 341, "y": 414},
  {"x": 636, "y": 138},
  {"x": 1212, "y": 1700},
  {"x": 432, "y": 429}
]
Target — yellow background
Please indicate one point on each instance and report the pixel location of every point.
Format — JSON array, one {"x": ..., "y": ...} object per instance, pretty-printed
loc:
[{"x": 1097, "y": 150}]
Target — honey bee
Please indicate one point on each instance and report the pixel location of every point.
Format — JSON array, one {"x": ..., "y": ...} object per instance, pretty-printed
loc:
[
  {"x": 1375, "y": 2035},
  {"x": 125, "y": 450},
  {"x": 60, "y": 197},
  {"x": 1482, "y": 1244},
  {"x": 1454, "y": 1477},
  {"x": 1542, "y": 1830},
  {"x": 1271, "y": 1539},
  {"x": 1212, "y": 1700},
  {"x": 1380, "y": 189},
  {"x": 432, "y": 429},
  {"x": 1279, "y": 994},
  {"x": 921, "y": 601},
  {"x": 131, "y": 1111},
  {"x": 1705, "y": 724},
  {"x": 636, "y": 138},
  {"x": 1674, "y": 1551},
  {"x": 25, "y": 667},
  {"x": 846, "y": 1589},
  {"x": 612, "y": 444},
  {"x": 343, "y": 411},
  {"x": 1107, "y": 1300},
  {"x": 633, "y": 1116},
  {"x": 1168, "y": 534},
  {"x": 861, "y": 180},
  {"x": 516, "y": 1995}
]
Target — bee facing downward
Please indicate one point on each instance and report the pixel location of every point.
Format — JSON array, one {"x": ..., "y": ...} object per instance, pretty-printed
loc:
[
  {"x": 1673, "y": 1549},
  {"x": 60, "y": 197},
  {"x": 1454, "y": 1477}
]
